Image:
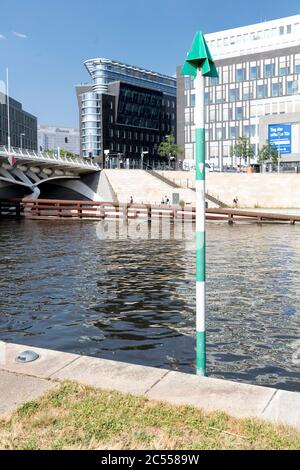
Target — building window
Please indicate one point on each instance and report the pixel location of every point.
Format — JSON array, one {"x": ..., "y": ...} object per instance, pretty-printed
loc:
[
  {"x": 276, "y": 89},
  {"x": 247, "y": 92},
  {"x": 225, "y": 74},
  {"x": 292, "y": 87},
  {"x": 214, "y": 81},
  {"x": 214, "y": 149},
  {"x": 262, "y": 91},
  {"x": 227, "y": 113},
  {"x": 281, "y": 31},
  {"x": 220, "y": 133},
  {"x": 219, "y": 96},
  {"x": 187, "y": 83},
  {"x": 233, "y": 132},
  {"x": 212, "y": 115},
  {"x": 193, "y": 100},
  {"x": 239, "y": 113},
  {"x": 297, "y": 63},
  {"x": 269, "y": 70},
  {"x": 283, "y": 71},
  {"x": 253, "y": 130},
  {"x": 289, "y": 29},
  {"x": 240, "y": 75},
  {"x": 233, "y": 94},
  {"x": 254, "y": 72},
  {"x": 246, "y": 131}
]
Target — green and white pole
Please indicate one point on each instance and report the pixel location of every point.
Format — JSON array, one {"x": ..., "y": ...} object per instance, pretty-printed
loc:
[
  {"x": 199, "y": 64},
  {"x": 200, "y": 225}
]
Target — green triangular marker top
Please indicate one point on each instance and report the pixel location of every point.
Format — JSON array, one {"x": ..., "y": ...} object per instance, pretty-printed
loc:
[{"x": 199, "y": 57}]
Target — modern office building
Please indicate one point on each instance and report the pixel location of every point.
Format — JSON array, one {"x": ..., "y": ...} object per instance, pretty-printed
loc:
[
  {"x": 125, "y": 111},
  {"x": 257, "y": 94},
  {"x": 23, "y": 126},
  {"x": 52, "y": 137}
]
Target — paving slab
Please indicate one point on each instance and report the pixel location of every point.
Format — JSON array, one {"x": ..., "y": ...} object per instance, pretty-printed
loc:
[
  {"x": 237, "y": 399},
  {"x": 112, "y": 375},
  {"x": 48, "y": 363},
  {"x": 16, "y": 389},
  {"x": 284, "y": 408}
]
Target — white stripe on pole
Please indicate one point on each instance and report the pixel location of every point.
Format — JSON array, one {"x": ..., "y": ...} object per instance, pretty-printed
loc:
[
  {"x": 199, "y": 105},
  {"x": 200, "y": 301}
]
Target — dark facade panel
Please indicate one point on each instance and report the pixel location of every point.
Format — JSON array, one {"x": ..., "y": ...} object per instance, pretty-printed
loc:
[
  {"x": 21, "y": 122},
  {"x": 136, "y": 119}
]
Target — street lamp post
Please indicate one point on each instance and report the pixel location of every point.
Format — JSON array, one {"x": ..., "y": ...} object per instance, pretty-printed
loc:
[
  {"x": 106, "y": 160},
  {"x": 142, "y": 158},
  {"x": 278, "y": 160},
  {"x": 21, "y": 140},
  {"x": 8, "y": 114},
  {"x": 199, "y": 64}
]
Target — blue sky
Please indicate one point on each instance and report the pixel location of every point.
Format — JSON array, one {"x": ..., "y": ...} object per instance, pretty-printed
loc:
[{"x": 44, "y": 43}]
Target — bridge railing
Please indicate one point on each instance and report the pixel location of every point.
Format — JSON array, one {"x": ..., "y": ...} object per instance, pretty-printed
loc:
[
  {"x": 49, "y": 208},
  {"x": 57, "y": 208},
  {"x": 25, "y": 154}
]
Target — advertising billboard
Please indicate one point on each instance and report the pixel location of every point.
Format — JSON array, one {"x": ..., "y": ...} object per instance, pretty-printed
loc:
[{"x": 280, "y": 135}]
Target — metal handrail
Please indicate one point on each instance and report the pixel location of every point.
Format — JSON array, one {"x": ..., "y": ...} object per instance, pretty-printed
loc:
[{"x": 47, "y": 157}]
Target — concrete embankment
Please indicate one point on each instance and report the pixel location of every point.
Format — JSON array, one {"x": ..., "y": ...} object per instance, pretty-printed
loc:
[
  {"x": 236, "y": 399},
  {"x": 268, "y": 190},
  {"x": 144, "y": 187}
]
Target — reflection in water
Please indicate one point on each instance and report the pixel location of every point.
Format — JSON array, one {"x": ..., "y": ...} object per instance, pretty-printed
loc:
[{"x": 63, "y": 288}]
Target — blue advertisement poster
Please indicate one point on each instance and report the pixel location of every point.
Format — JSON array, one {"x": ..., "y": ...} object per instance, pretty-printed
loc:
[{"x": 280, "y": 135}]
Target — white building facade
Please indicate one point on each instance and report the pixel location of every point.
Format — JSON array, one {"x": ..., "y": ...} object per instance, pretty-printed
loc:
[
  {"x": 66, "y": 138},
  {"x": 258, "y": 89}
]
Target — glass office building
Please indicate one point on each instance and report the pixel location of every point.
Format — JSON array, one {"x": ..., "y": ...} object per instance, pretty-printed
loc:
[
  {"x": 126, "y": 110},
  {"x": 23, "y": 126},
  {"x": 258, "y": 86}
]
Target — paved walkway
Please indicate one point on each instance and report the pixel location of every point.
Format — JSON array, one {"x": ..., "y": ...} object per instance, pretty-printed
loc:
[
  {"x": 16, "y": 389},
  {"x": 22, "y": 382}
]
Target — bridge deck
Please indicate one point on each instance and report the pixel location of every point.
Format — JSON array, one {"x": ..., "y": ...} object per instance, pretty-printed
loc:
[{"x": 31, "y": 157}]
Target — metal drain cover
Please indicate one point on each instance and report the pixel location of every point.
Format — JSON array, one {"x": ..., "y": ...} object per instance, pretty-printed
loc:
[{"x": 27, "y": 356}]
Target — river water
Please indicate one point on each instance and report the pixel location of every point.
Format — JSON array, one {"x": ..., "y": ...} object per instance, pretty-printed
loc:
[{"x": 63, "y": 288}]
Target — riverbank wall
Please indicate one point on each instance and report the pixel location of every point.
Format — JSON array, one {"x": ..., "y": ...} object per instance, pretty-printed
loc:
[{"x": 236, "y": 399}]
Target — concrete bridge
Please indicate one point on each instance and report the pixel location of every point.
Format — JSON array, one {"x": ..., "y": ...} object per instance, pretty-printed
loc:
[{"x": 23, "y": 172}]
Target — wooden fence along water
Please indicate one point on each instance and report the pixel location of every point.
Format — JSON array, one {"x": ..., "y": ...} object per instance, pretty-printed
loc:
[{"x": 62, "y": 209}]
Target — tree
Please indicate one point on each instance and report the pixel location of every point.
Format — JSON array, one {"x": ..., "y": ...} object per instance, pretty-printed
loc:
[
  {"x": 63, "y": 153},
  {"x": 242, "y": 149},
  {"x": 268, "y": 153},
  {"x": 169, "y": 149}
]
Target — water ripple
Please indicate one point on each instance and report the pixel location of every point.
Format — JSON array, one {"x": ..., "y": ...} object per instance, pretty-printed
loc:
[{"x": 63, "y": 288}]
